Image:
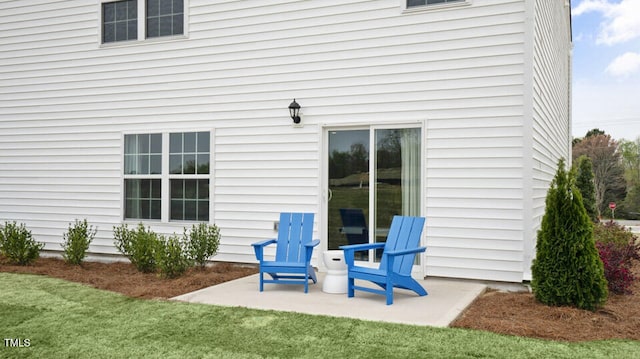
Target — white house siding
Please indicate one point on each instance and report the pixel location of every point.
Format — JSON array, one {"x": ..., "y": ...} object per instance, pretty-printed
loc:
[
  {"x": 66, "y": 101},
  {"x": 550, "y": 106}
]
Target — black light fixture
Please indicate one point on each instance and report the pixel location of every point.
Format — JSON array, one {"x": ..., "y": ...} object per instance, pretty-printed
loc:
[{"x": 294, "y": 110}]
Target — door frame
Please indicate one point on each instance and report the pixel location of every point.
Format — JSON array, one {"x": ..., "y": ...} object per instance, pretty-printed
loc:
[{"x": 419, "y": 271}]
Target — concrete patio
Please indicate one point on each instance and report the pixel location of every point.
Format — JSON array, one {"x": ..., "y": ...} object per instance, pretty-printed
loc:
[{"x": 445, "y": 302}]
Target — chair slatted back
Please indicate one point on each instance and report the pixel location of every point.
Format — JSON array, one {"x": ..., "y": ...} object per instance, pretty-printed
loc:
[
  {"x": 404, "y": 233},
  {"x": 295, "y": 230}
]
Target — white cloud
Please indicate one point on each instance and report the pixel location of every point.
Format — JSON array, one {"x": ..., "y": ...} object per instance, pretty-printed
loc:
[
  {"x": 622, "y": 22},
  {"x": 625, "y": 65}
]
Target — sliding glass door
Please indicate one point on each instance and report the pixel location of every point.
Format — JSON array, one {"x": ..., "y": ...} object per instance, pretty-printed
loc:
[{"x": 367, "y": 188}]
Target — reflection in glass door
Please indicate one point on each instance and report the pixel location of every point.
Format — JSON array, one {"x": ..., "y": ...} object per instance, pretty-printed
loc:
[
  {"x": 394, "y": 188},
  {"x": 397, "y": 179},
  {"x": 348, "y": 209}
]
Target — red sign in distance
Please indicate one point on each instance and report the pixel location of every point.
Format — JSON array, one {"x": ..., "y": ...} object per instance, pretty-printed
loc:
[{"x": 612, "y": 205}]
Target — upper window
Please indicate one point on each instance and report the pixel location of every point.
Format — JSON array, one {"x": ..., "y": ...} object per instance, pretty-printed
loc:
[
  {"x": 124, "y": 20},
  {"x": 165, "y": 17},
  {"x": 119, "y": 21},
  {"x": 412, "y": 3}
]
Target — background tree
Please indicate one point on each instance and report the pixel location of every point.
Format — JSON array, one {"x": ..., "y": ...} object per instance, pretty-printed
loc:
[
  {"x": 585, "y": 184},
  {"x": 567, "y": 269},
  {"x": 630, "y": 152},
  {"x": 608, "y": 172}
]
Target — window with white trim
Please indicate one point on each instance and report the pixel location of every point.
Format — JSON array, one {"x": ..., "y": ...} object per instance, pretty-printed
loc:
[
  {"x": 128, "y": 20},
  {"x": 182, "y": 167},
  {"x": 413, "y": 3}
]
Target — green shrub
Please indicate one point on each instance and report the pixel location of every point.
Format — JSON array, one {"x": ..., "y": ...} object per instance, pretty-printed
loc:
[
  {"x": 612, "y": 232},
  {"x": 172, "y": 258},
  {"x": 586, "y": 186},
  {"x": 202, "y": 242},
  {"x": 76, "y": 241},
  {"x": 567, "y": 269},
  {"x": 17, "y": 244},
  {"x": 139, "y": 245}
]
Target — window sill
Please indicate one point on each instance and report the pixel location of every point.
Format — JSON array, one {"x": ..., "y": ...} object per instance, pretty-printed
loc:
[
  {"x": 151, "y": 40},
  {"x": 434, "y": 7}
]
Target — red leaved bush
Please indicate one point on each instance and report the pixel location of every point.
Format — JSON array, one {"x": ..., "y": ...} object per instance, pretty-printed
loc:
[{"x": 617, "y": 265}]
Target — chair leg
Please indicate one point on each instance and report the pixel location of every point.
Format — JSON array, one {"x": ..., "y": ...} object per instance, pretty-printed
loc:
[
  {"x": 350, "y": 290},
  {"x": 389, "y": 291},
  {"x": 261, "y": 281}
]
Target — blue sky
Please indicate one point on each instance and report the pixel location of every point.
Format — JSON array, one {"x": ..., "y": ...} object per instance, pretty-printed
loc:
[{"x": 606, "y": 67}]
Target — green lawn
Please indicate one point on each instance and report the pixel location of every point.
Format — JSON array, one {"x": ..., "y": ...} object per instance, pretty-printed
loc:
[{"x": 63, "y": 319}]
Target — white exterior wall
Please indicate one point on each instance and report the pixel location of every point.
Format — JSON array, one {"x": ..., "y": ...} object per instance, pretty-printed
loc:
[
  {"x": 550, "y": 110},
  {"x": 66, "y": 101}
]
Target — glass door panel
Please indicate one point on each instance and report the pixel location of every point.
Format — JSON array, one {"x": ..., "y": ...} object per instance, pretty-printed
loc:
[
  {"x": 348, "y": 207},
  {"x": 397, "y": 178}
]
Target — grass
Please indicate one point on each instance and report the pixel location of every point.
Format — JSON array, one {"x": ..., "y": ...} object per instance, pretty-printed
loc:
[{"x": 63, "y": 319}]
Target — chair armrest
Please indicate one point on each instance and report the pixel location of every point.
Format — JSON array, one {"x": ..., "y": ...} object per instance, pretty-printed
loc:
[
  {"x": 349, "y": 251},
  {"x": 362, "y": 247},
  {"x": 258, "y": 248},
  {"x": 406, "y": 251},
  {"x": 264, "y": 243},
  {"x": 313, "y": 243}
]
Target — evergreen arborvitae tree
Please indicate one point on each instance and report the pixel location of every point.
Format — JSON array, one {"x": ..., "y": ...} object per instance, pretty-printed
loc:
[
  {"x": 586, "y": 186},
  {"x": 567, "y": 269}
]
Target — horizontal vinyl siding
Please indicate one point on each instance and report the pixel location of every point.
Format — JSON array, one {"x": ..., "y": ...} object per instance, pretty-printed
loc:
[
  {"x": 551, "y": 81},
  {"x": 65, "y": 101}
]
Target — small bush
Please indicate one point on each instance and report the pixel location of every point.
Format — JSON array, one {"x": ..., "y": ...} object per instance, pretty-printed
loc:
[
  {"x": 17, "y": 244},
  {"x": 617, "y": 248},
  {"x": 617, "y": 266},
  {"x": 612, "y": 232},
  {"x": 76, "y": 241},
  {"x": 139, "y": 245},
  {"x": 202, "y": 242},
  {"x": 172, "y": 258}
]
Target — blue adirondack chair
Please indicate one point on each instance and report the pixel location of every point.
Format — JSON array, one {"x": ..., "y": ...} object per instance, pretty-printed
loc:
[
  {"x": 294, "y": 248},
  {"x": 398, "y": 255}
]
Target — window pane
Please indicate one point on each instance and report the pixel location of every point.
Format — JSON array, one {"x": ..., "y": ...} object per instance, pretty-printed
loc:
[
  {"x": 166, "y": 27},
  {"x": 153, "y": 27},
  {"x": 143, "y": 143},
  {"x": 203, "y": 210},
  {"x": 190, "y": 189},
  {"x": 175, "y": 164},
  {"x": 203, "y": 164},
  {"x": 156, "y": 189},
  {"x": 133, "y": 10},
  {"x": 190, "y": 210},
  {"x": 143, "y": 164},
  {"x": 121, "y": 31},
  {"x": 156, "y": 209},
  {"x": 155, "y": 164},
  {"x": 121, "y": 10},
  {"x": 176, "y": 189},
  {"x": 153, "y": 7},
  {"x": 156, "y": 143},
  {"x": 178, "y": 25},
  {"x": 203, "y": 141},
  {"x": 175, "y": 143},
  {"x": 203, "y": 189},
  {"x": 190, "y": 142},
  {"x": 109, "y": 33},
  {"x": 166, "y": 7},
  {"x": 178, "y": 6},
  {"x": 189, "y": 164},
  {"x": 109, "y": 12},
  {"x": 130, "y": 145},
  {"x": 132, "y": 30},
  {"x": 177, "y": 209}
]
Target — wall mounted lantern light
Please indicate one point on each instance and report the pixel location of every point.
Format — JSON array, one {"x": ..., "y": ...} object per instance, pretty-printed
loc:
[{"x": 294, "y": 110}]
